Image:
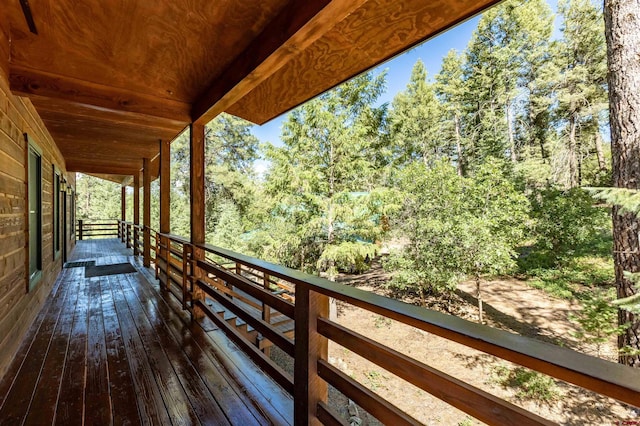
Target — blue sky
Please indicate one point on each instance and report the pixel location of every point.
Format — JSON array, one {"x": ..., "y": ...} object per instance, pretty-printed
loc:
[{"x": 399, "y": 68}]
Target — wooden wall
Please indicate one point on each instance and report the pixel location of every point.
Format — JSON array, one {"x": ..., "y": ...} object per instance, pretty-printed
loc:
[{"x": 18, "y": 307}]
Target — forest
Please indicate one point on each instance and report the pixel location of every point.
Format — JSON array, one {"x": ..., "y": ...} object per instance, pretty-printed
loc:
[{"x": 478, "y": 171}]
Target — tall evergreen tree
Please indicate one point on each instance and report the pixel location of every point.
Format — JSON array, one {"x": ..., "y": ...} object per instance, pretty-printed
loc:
[
  {"x": 323, "y": 176},
  {"x": 414, "y": 121},
  {"x": 450, "y": 90},
  {"x": 582, "y": 82},
  {"x": 622, "y": 20}
]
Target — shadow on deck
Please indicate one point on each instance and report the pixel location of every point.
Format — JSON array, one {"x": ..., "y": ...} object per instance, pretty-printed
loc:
[{"x": 113, "y": 349}]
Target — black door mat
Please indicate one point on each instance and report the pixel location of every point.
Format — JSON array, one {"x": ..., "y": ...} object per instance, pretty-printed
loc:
[
  {"x": 80, "y": 264},
  {"x": 102, "y": 270}
]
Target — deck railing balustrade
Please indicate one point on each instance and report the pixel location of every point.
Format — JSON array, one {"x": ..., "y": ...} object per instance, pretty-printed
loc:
[
  {"x": 99, "y": 228},
  {"x": 260, "y": 305}
]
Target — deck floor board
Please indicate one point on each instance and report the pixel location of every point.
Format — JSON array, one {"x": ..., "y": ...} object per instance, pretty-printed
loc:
[{"x": 117, "y": 350}]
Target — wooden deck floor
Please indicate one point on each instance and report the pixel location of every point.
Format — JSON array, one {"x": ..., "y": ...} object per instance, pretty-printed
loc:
[{"x": 114, "y": 350}]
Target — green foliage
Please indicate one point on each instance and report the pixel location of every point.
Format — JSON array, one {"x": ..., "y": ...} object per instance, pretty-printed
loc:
[
  {"x": 348, "y": 256},
  {"x": 627, "y": 199},
  {"x": 97, "y": 199},
  {"x": 631, "y": 303},
  {"x": 597, "y": 319},
  {"x": 229, "y": 230},
  {"x": 563, "y": 221},
  {"x": 323, "y": 186},
  {"x": 414, "y": 121},
  {"x": 456, "y": 226},
  {"x": 530, "y": 384}
]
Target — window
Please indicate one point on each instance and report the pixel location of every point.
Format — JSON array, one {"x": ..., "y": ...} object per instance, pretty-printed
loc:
[
  {"x": 72, "y": 208},
  {"x": 34, "y": 202},
  {"x": 56, "y": 213}
]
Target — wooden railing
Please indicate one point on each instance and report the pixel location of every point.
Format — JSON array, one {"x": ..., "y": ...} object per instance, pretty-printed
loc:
[
  {"x": 87, "y": 229},
  {"x": 230, "y": 288}
]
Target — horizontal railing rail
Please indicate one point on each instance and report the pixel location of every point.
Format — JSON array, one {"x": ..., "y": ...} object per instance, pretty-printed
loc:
[
  {"x": 96, "y": 228},
  {"x": 214, "y": 282}
]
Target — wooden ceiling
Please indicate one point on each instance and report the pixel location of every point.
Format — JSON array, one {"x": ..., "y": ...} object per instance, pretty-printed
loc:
[{"x": 112, "y": 78}]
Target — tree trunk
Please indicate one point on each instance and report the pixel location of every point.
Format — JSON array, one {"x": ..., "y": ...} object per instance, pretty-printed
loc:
[
  {"x": 602, "y": 163},
  {"x": 479, "y": 297},
  {"x": 622, "y": 23},
  {"x": 573, "y": 151},
  {"x": 512, "y": 140},
  {"x": 460, "y": 162}
]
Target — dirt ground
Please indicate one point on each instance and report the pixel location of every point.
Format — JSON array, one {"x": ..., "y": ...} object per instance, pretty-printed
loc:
[{"x": 508, "y": 304}]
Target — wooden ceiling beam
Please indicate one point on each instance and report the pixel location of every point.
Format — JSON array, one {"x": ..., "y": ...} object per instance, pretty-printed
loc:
[
  {"x": 102, "y": 167},
  {"x": 47, "y": 106},
  {"x": 28, "y": 82},
  {"x": 293, "y": 30},
  {"x": 120, "y": 179},
  {"x": 5, "y": 44}
]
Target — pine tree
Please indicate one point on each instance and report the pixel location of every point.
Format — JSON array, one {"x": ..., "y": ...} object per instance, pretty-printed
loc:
[
  {"x": 622, "y": 21},
  {"x": 415, "y": 121},
  {"x": 582, "y": 82},
  {"x": 321, "y": 180},
  {"x": 450, "y": 90}
]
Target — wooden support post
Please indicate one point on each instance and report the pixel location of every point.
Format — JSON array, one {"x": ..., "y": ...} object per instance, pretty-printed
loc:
[
  {"x": 146, "y": 212},
  {"x": 165, "y": 205},
  {"x": 136, "y": 212},
  {"x": 4, "y": 45},
  {"x": 309, "y": 388},
  {"x": 197, "y": 213},
  {"x": 157, "y": 266},
  {"x": 80, "y": 230},
  {"x": 266, "y": 309},
  {"x": 123, "y": 208}
]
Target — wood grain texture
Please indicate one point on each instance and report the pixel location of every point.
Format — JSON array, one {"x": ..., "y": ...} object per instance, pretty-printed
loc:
[
  {"x": 136, "y": 210},
  {"x": 289, "y": 33},
  {"x": 164, "y": 48},
  {"x": 19, "y": 308},
  {"x": 375, "y": 32},
  {"x": 476, "y": 402},
  {"x": 4, "y": 44},
  {"x": 146, "y": 211},
  {"x": 27, "y": 81},
  {"x": 98, "y": 166},
  {"x": 165, "y": 186},
  {"x": 310, "y": 348}
]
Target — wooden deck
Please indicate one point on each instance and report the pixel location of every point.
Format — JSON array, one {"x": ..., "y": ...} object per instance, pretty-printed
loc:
[{"x": 114, "y": 350}]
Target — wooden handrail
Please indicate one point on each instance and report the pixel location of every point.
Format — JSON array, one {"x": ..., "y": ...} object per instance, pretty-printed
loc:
[
  {"x": 96, "y": 228},
  {"x": 254, "y": 277},
  {"x": 608, "y": 378}
]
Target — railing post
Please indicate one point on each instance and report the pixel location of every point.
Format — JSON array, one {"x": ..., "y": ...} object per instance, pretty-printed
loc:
[
  {"x": 310, "y": 346},
  {"x": 197, "y": 294},
  {"x": 266, "y": 310},
  {"x": 128, "y": 235},
  {"x": 164, "y": 258},
  {"x": 136, "y": 251},
  {"x": 187, "y": 273},
  {"x": 80, "y": 230},
  {"x": 158, "y": 257},
  {"x": 119, "y": 231}
]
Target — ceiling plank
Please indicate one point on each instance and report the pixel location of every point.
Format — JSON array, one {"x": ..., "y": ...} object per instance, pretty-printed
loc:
[
  {"x": 120, "y": 179},
  {"x": 27, "y": 82},
  {"x": 4, "y": 45},
  {"x": 292, "y": 31},
  {"x": 101, "y": 167},
  {"x": 46, "y": 106},
  {"x": 372, "y": 34}
]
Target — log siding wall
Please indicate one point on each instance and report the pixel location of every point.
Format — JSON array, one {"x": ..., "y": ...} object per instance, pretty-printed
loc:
[{"x": 18, "y": 308}]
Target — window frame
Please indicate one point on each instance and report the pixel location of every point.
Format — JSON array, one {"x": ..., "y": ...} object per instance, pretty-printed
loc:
[
  {"x": 33, "y": 150},
  {"x": 56, "y": 189}
]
